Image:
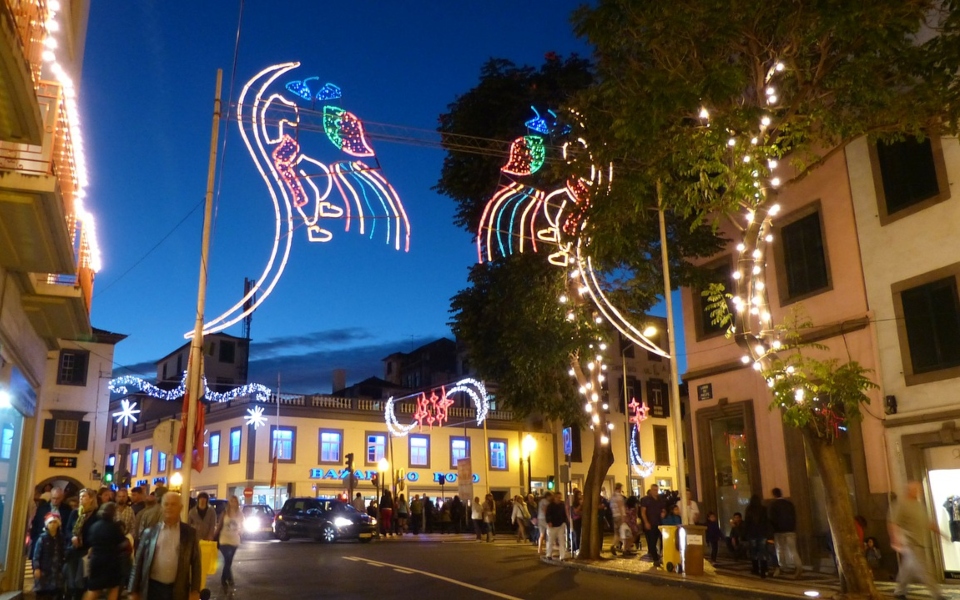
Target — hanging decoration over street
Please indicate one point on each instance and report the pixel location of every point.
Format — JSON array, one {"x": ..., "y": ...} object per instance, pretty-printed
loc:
[
  {"x": 128, "y": 412},
  {"x": 272, "y": 124},
  {"x": 123, "y": 384},
  {"x": 432, "y": 408},
  {"x": 639, "y": 411},
  {"x": 255, "y": 417}
]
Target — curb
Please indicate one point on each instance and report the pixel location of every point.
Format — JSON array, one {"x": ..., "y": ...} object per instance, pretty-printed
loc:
[{"x": 681, "y": 580}]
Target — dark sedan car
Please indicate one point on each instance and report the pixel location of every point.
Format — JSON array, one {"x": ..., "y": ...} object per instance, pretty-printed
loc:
[{"x": 324, "y": 520}]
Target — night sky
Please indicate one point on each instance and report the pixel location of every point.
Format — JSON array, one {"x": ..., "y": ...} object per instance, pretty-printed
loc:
[{"x": 147, "y": 99}]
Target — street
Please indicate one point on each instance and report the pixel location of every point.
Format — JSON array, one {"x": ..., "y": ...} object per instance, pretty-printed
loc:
[{"x": 456, "y": 566}]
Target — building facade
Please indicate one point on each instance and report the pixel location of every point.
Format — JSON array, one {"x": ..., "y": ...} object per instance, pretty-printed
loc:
[{"x": 226, "y": 360}]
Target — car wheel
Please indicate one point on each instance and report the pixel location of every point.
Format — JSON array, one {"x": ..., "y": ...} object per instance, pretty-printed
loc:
[
  {"x": 281, "y": 533},
  {"x": 328, "y": 534}
]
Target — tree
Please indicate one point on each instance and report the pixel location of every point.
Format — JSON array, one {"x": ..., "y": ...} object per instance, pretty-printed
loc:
[
  {"x": 709, "y": 98},
  {"x": 524, "y": 320}
]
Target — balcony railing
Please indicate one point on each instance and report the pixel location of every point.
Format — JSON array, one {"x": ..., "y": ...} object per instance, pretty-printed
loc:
[{"x": 30, "y": 17}]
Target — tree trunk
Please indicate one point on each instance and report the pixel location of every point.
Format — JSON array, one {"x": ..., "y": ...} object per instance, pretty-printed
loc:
[
  {"x": 591, "y": 536},
  {"x": 853, "y": 567}
]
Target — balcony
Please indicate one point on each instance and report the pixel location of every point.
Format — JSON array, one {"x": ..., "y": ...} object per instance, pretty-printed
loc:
[
  {"x": 20, "y": 49},
  {"x": 58, "y": 306},
  {"x": 38, "y": 228}
]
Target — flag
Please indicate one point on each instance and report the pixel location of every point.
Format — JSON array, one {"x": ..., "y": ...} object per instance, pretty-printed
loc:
[
  {"x": 273, "y": 474},
  {"x": 196, "y": 461}
]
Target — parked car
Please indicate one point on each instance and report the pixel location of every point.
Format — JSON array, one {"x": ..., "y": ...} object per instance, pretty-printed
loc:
[
  {"x": 257, "y": 520},
  {"x": 218, "y": 505},
  {"x": 323, "y": 519}
]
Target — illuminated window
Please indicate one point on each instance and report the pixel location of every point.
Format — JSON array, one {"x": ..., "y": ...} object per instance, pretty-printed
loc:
[
  {"x": 6, "y": 442},
  {"x": 376, "y": 447},
  {"x": 213, "y": 446},
  {"x": 161, "y": 462},
  {"x": 147, "y": 459},
  {"x": 498, "y": 455},
  {"x": 459, "y": 448},
  {"x": 331, "y": 443},
  {"x": 134, "y": 462},
  {"x": 235, "y": 445},
  {"x": 65, "y": 435},
  {"x": 419, "y": 451},
  {"x": 282, "y": 443}
]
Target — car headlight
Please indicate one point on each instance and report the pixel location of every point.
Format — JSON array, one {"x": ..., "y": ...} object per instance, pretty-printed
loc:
[
  {"x": 342, "y": 522},
  {"x": 251, "y": 524},
  {"x": 373, "y": 521}
]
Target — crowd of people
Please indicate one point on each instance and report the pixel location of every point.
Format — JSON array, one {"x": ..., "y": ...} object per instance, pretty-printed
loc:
[{"x": 98, "y": 542}]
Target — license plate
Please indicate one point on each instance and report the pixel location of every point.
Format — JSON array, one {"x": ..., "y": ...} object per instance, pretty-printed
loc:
[{"x": 364, "y": 536}]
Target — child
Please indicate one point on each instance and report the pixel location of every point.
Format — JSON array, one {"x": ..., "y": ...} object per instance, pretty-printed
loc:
[
  {"x": 714, "y": 535},
  {"x": 48, "y": 560},
  {"x": 873, "y": 553},
  {"x": 674, "y": 517}
]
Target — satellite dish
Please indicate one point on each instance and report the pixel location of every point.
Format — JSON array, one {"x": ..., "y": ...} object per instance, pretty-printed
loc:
[{"x": 165, "y": 435}]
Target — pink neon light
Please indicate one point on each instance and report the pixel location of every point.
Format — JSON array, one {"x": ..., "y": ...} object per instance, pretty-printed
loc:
[
  {"x": 351, "y": 133},
  {"x": 284, "y": 157}
]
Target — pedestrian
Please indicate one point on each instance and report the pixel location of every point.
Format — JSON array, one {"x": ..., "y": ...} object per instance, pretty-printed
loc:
[
  {"x": 714, "y": 535},
  {"x": 403, "y": 513},
  {"x": 105, "y": 495},
  {"x": 542, "y": 522},
  {"x": 872, "y": 552},
  {"x": 429, "y": 514},
  {"x": 77, "y": 529},
  {"x": 203, "y": 518},
  {"x": 167, "y": 565},
  {"x": 48, "y": 559},
  {"x": 735, "y": 541},
  {"x": 55, "y": 505},
  {"x": 137, "y": 501},
  {"x": 152, "y": 514},
  {"x": 386, "y": 513},
  {"x": 489, "y": 516},
  {"x": 757, "y": 530},
  {"x": 457, "y": 513},
  {"x": 576, "y": 516},
  {"x": 107, "y": 545},
  {"x": 650, "y": 507},
  {"x": 125, "y": 515},
  {"x": 445, "y": 518},
  {"x": 672, "y": 516},
  {"x": 693, "y": 510},
  {"x": 231, "y": 524},
  {"x": 358, "y": 502},
  {"x": 783, "y": 519},
  {"x": 910, "y": 530},
  {"x": 630, "y": 529},
  {"x": 416, "y": 514},
  {"x": 476, "y": 515},
  {"x": 618, "y": 511},
  {"x": 556, "y": 515},
  {"x": 520, "y": 517}
]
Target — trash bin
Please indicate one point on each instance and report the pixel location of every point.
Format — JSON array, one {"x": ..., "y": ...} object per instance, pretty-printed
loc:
[
  {"x": 691, "y": 548},
  {"x": 671, "y": 548}
]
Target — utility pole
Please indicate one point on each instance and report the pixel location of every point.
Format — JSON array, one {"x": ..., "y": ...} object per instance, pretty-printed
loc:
[{"x": 195, "y": 364}]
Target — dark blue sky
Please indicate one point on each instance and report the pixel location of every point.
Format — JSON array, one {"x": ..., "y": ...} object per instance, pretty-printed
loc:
[{"x": 148, "y": 83}]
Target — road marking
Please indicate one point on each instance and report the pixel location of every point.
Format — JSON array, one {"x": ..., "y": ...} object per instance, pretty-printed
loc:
[
  {"x": 404, "y": 571},
  {"x": 408, "y": 570}
]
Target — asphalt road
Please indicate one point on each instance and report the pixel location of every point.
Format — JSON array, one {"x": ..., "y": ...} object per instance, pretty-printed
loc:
[{"x": 456, "y": 567}]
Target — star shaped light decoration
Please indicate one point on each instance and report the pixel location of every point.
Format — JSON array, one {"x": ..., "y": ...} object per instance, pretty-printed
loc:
[
  {"x": 255, "y": 417},
  {"x": 128, "y": 412}
]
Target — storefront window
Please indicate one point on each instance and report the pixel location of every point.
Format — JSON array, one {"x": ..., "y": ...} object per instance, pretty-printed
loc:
[
  {"x": 731, "y": 458},
  {"x": 11, "y": 425},
  {"x": 944, "y": 478}
]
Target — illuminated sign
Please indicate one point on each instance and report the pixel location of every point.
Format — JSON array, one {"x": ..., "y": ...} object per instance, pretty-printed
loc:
[{"x": 412, "y": 476}]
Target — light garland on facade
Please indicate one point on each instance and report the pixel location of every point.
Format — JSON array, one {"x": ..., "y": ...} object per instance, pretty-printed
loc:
[
  {"x": 432, "y": 409},
  {"x": 122, "y": 385},
  {"x": 283, "y": 166}
]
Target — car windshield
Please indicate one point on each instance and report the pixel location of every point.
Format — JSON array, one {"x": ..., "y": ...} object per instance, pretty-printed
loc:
[{"x": 330, "y": 505}]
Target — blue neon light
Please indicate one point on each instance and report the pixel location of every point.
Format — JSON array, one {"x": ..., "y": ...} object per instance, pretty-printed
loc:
[
  {"x": 301, "y": 88},
  {"x": 328, "y": 92}
]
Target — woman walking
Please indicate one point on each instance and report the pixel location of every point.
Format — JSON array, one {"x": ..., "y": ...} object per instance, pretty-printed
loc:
[
  {"x": 386, "y": 512},
  {"x": 489, "y": 516},
  {"x": 107, "y": 544},
  {"x": 228, "y": 533},
  {"x": 403, "y": 513},
  {"x": 521, "y": 517}
]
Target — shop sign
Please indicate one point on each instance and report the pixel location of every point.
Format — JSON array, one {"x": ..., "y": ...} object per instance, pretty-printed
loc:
[
  {"x": 159, "y": 480},
  {"x": 143, "y": 482},
  {"x": 705, "y": 391},
  {"x": 412, "y": 476},
  {"x": 63, "y": 462}
]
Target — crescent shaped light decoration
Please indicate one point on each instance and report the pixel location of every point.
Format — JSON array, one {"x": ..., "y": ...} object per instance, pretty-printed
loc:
[
  {"x": 122, "y": 385},
  {"x": 269, "y": 117},
  {"x": 432, "y": 408},
  {"x": 518, "y": 213}
]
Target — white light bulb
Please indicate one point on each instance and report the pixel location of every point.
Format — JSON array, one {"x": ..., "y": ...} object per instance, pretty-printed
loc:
[
  {"x": 606, "y": 406},
  {"x": 741, "y": 247},
  {"x": 776, "y": 344},
  {"x": 775, "y": 181},
  {"x": 737, "y": 275},
  {"x": 772, "y": 163},
  {"x": 732, "y": 142},
  {"x": 603, "y": 346},
  {"x": 571, "y": 372},
  {"x": 790, "y": 370},
  {"x": 769, "y": 238},
  {"x": 749, "y": 216},
  {"x": 746, "y": 159},
  {"x": 590, "y": 366},
  {"x": 757, "y": 253},
  {"x": 754, "y": 311},
  {"x": 583, "y": 390},
  {"x": 610, "y": 426},
  {"x": 760, "y": 285},
  {"x": 737, "y": 300},
  {"x": 563, "y": 299},
  {"x": 757, "y": 366},
  {"x": 594, "y": 396},
  {"x": 776, "y": 207},
  {"x": 771, "y": 91},
  {"x": 704, "y": 114},
  {"x": 760, "y": 349},
  {"x": 779, "y": 67},
  {"x": 588, "y": 407},
  {"x": 765, "y": 121},
  {"x": 596, "y": 419},
  {"x": 754, "y": 141},
  {"x": 757, "y": 300},
  {"x": 745, "y": 359},
  {"x": 571, "y": 316},
  {"x": 756, "y": 270},
  {"x": 604, "y": 439},
  {"x": 798, "y": 395}
]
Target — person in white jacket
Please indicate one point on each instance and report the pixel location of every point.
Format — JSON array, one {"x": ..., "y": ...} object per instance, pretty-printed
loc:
[
  {"x": 618, "y": 509},
  {"x": 520, "y": 517}
]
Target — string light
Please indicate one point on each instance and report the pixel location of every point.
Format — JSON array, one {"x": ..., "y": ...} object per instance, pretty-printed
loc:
[
  {"x": 432, "y": 409},
  {"x": 121, "y": 385}
]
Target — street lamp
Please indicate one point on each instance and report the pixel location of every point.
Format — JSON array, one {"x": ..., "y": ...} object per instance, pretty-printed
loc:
[
  {"x": 529, "y": 445},
  {"x": 383, "y": 465},
  {"x": 176, "y": 481}
]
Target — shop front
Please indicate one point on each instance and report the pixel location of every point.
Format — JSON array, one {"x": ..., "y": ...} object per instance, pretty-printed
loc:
[{"x": 943, "y": 478}]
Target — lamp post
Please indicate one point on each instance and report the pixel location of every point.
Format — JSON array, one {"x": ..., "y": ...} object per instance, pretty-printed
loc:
[
  {"x": 176, "y": 482},
  {"x": 529, "y": 445}
]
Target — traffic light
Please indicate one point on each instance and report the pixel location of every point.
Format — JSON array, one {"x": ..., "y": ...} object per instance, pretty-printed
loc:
[
  {"x": 108, "y": 474},
  {"x": 349, "y": 458},
  {"x": 551, "y": 483},
  {"x": 375, "y": 479}
]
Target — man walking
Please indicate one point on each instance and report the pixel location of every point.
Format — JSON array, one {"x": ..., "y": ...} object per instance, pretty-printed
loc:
[
  {"x": 358, "y": 503},
  {"x": 55, "y": 506},
  {"x": 783, "y": 518},
  {"x": 910, "y": 536},
  {"x": 556, "y": 514},
  {"x": 167, "y": 565},
  {"x": 650, "y": 507},
  {"x": 203, "y": 517}
]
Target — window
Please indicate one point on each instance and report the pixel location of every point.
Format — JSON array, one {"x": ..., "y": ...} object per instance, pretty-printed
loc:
[
  {"x": 657, "y": 398},
  {"x": 331, "y": 444},
  {"x": 801, "y": 256},
  {"x": 235, "y": 445},
  {"x": 65, "y": 436},
  {"x": 147, "y": 459},
  {"x": 928, "y": 319},
  {"x": 419, "y": 450},
  {"x": 909, "y": 176},
  {"x": 161, "y": 462},
  {"x": 498, "y": 455},
  {"x": 283, "y": 443},
  {"x": 177, "y": 463},
  {"x": 6, "y": 442},
  {"x": 213, "y": 446},
  {"x": 72, "y": 369},
  {"x": 114, "y": 431},
  {"x": 228, "y": 351},
  {"x": 134, "y": 462},
  {"x": 376, "y": 447},
  {"x": 653, "y": 356},
  {"x": 721, "y": 273},
  {"x": 459, "y": 448},
  {"x": 65, "y": 432},
  {"x": 631, "y": 392},
  {"x": 661, "y": 445}
]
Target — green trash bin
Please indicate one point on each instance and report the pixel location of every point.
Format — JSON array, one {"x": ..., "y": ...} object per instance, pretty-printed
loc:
[
  {"x": 691, "y": 548},
  {"x": 671, "y": 548}
]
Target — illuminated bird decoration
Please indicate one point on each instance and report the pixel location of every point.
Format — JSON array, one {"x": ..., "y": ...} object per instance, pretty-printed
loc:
[
  {"x": 301, "y": 187},
  {"x": 520, "y": 216}
]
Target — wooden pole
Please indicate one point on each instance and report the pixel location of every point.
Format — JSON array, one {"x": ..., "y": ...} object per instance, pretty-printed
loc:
[{"x": 195, "y": 364}]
